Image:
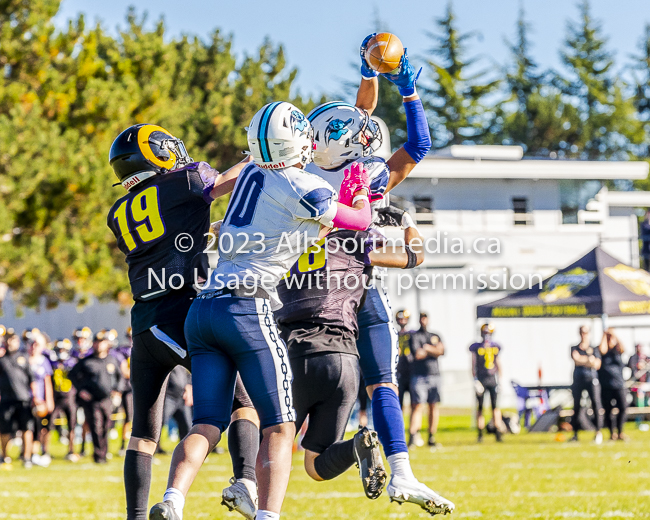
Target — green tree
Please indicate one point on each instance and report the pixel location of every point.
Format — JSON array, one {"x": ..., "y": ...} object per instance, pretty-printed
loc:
[
  {"x": 535, "y": 115},
  {"x": 606, "y": 124},
  {"x": 64, "y": 97},
  {"x": 458, "y": 100}
]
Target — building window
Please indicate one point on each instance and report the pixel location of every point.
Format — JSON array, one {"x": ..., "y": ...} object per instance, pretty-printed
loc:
[
  {"x": 521, "y": 213},
  {"x": 423, "y": 210}
]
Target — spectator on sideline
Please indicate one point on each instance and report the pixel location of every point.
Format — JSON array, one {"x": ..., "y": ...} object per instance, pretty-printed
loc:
[
  {"x": 178, "y": 400},
  {"x": 645, "y": 238},
  {"x": 123, "y": 355},
  {"x": 585, "y": 377},
  {"x": 65, "y": 395},
  {"x": 426, "y": 348},
  {"x": 639, "y": 364},
  {"x": 43, "y": 395},
  {"x": 405, "y": 357},
  {"x": 614, "y": 393},
  {"x": 486, "y": 370},
  {"x": 96, "y": 378},
  {"x": 16, "y": 387}
]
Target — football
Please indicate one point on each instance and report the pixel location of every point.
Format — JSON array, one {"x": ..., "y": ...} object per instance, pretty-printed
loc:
[{"x": 384, "y": 52}]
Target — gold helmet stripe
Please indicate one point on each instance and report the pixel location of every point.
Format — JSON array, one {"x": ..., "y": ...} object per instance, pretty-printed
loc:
[{"x": 143, "y": 143}]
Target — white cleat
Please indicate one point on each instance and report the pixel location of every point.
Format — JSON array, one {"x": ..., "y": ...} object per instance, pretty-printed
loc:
[
  {"x": 406, "y": 490},
  {"x": 238, "y": 497}
]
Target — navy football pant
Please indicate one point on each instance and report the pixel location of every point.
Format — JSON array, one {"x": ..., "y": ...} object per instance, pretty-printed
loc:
[
  {"x": 377, "y": 343},
  {"x": 227, "y": 334}
]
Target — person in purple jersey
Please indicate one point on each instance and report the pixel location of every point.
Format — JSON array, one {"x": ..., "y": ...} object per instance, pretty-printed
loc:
[
  {"x": 43, "y": 396},
  {"x": 65, "y": 404}
]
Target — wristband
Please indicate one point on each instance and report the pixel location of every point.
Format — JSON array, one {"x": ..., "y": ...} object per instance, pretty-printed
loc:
[
  {"x": 359, "y": 197},
  {"x": 412, "y": 258}
]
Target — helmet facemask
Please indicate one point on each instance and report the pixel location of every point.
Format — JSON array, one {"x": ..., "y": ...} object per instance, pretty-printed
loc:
[{"x": 176, "y": 147}]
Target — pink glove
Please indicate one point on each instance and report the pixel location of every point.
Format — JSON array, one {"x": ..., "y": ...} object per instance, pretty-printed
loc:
[{"x": 356, "y": 178}]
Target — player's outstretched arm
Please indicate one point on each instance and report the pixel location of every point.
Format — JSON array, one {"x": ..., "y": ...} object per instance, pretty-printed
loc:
[
  {"x": 418, "y": 141},
  {"x": 405, "y": 257},
  {"x": 368, "y": 93},
  {"x": 225, "y": 183}
]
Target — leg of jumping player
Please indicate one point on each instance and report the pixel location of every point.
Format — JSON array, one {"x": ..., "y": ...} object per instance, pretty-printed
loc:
[{"x": 379, "y": 353}]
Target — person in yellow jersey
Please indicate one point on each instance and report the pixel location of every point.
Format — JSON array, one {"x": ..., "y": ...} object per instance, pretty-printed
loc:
[{"x": 486, "y": 370}]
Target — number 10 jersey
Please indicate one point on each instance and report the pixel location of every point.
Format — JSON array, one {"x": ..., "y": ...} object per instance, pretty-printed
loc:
[{"x": 272, "y": 217}]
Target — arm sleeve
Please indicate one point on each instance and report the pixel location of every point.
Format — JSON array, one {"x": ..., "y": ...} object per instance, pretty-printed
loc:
[
  {"x": 348, "y": 218},
  {"x": 418, "y": 141}
]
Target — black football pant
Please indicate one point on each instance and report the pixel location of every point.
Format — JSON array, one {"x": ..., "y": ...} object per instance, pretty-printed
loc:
[
  {"x": 175, "y": 408},
  {"x": 593, "y": 389},
  {"x": 98, "y": 417},
  {"x": 615, "y": 398}
]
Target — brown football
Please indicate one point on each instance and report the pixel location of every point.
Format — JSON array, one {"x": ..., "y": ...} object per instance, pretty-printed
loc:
[{"x": 383, "y": 52}]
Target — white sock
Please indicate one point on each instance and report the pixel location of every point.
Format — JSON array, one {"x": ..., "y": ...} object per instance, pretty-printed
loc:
[
  {"x": 400, "y": 465},
  {"x": 177, "y": 499},
  {"x": 266, "y": 515}
]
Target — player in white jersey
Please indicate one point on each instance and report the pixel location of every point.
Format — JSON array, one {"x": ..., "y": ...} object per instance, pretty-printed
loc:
[
  {"x": 275, "y": 209},
  {"x": 344, "y": 135}
]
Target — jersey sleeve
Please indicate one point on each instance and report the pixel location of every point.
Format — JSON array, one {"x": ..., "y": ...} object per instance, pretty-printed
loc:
[
  {"x": 201, "y": 178},
  {"x": 315, "y": 200},
  {"x": 378, "y": 173}
]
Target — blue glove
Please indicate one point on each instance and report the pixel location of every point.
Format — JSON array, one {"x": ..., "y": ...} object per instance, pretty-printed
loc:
[
  {"x": 406, "y": 78},
  {"x": 366, "y": 71}
]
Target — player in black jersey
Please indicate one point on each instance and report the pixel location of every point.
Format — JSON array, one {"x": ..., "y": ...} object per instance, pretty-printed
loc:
[
  {"x": 321, "y": 296},
  {"x": 161, "y": 225}
]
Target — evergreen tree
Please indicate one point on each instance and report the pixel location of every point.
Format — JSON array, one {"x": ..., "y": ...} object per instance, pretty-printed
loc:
[
  {"x": 457, "y": 100},
  {"x": 535, "y": 115},
  {"x": 606, "y": 124},
  {"x": 642, "y": 88}
]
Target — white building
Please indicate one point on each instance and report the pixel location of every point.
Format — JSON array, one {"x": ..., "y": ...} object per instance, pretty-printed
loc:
[{"x": 542, "y": 215}]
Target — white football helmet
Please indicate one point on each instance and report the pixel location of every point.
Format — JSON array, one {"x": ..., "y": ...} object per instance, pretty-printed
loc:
[
  {"x": 342, "y": 133},
  {"x": 280, "y": 136}
]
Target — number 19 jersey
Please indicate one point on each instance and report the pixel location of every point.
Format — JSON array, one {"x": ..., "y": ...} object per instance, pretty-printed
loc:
[
  {"x": 162, "y": 228},
  {"x": 272, "y": 217}
]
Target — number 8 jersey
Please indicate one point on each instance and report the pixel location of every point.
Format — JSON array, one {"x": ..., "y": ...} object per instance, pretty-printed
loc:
[
  {"x": 271, "y": 219},
  {"x": 162, "y": 228}
]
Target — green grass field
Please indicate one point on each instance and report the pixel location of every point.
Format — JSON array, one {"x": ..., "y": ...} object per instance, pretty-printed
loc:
[{"x": 528, "y": 476}]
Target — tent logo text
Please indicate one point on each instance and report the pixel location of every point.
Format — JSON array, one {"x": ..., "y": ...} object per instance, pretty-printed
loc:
[{"x": 566, "y": 284}]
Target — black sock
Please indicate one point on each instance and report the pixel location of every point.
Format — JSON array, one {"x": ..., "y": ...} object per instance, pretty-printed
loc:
[
  {"x": 335, "y": 460},
  {"x": 137, "y": 481},
  {"x": 243, "y": 444}
]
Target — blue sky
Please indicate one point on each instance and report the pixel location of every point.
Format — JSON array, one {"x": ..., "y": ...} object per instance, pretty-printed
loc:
[{"x": 322, "y": 39}]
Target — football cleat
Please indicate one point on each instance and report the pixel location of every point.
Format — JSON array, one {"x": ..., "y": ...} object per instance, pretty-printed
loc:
[
  {"x": 237, "y": 497},
  {"x": 403, "y": 490},
  {"x": 371, "y": 466},
  {"x": 163, "y": 511}
]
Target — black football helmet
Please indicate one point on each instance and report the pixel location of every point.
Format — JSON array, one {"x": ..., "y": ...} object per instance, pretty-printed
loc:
[{"x": 142, "y": 151}]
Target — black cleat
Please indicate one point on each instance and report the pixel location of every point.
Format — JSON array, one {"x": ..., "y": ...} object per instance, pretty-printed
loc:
[
  {"x": 371, "y": 466},
  {"x": 163, "y": 511}
]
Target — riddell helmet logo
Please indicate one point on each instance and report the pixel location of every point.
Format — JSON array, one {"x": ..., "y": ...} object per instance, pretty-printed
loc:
[
  {"x": 273, "y": 166},
  {"x": 128, "y": 184}
]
